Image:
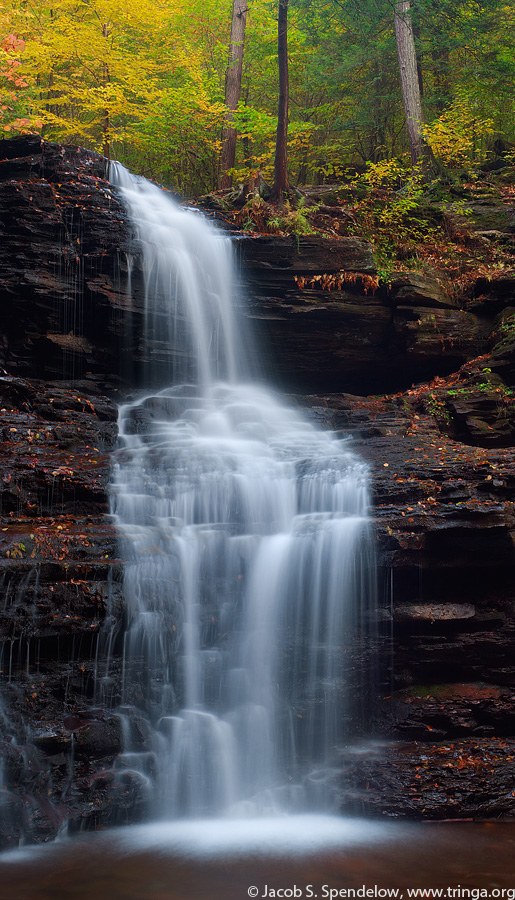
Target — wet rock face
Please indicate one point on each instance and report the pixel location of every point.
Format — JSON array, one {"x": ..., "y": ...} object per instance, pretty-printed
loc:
[
  {"x": 321, "y": 320},
  {"x": 470, "y": 778},
  {"x": 61, "y": 228},
  {"x": 323, "y": 323},
  {"x": 57, "y": 569},
  {"x": 445, "y": 529}
]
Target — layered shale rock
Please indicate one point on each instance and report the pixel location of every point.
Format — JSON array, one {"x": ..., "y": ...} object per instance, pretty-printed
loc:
[
  {"x": 324, "y": 321},
  {"x": 61, "y": 228},
  {"x": 445, "y": 530},
  {"x": 58, "y": 571}
]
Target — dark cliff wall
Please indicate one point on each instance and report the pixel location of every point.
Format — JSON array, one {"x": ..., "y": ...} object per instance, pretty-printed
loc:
[
  {"x": 61, "y": 229},
  {"x": 325, "y": 334},
  {"x": 441, "y": 459}
]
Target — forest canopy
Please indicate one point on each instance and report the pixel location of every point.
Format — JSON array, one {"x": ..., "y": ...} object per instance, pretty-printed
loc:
[{"x": 144, "y": 81}]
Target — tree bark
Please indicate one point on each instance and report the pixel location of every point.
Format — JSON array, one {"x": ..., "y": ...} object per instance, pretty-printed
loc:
[
  {"x": 232, "y": 90},
  {"x": 441, "y": 75},
  {"x": 409, "y": 78},
  {"x": 281, "y": 182}
]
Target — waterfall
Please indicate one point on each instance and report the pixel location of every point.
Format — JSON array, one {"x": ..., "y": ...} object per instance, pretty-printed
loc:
[{"x": 248, "y": 570}]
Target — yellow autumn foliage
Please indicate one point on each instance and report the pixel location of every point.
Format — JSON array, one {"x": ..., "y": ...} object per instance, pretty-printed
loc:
[
  {"x": 91, "y": 63},
  {"x": 457, "y": 137},
  {"x": 113, "y": 75}
]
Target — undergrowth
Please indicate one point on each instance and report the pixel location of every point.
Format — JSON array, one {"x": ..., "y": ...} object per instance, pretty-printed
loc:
[{"x": 412, "y": 224}]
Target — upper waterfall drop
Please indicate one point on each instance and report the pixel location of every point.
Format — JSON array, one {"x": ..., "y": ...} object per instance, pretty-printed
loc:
[
  {"x": 187, "y": 259},
  {"x": 248, "y": 566}
]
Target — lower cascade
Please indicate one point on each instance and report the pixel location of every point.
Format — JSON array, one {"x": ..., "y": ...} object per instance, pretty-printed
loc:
[{"x": 249, "y": 578}]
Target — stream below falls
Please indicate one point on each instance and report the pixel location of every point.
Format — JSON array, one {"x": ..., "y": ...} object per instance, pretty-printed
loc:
[{"x": 300, "y": 857}]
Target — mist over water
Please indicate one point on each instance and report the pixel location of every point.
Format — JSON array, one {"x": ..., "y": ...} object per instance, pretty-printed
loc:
[
  {"x": 298, "y": 856},
  {"x": 248, "y": 568}
]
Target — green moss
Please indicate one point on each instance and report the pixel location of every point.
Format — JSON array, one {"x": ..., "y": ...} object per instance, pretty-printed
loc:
[
  {"x": 505, "y": 332},
  {"x": 437, "y": 407}
]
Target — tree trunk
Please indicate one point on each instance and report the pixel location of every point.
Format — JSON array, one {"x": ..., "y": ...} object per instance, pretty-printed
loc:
[
  {"x": 441, "y": 75},
  {"x": 232, "y": 90},
  {"x": 281, "y": 182},
  {"x": 409, "y": 78},
  {"x": 419, "y": 55},
  {"x": 106, "y": 122}
]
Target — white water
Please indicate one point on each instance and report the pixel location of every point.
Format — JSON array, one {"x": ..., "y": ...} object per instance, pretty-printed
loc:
[{"x": 248, "y": 567}]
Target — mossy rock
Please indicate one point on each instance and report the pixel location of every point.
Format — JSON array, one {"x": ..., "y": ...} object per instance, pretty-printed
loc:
[
  {"x": 482, "y": 414},
  {"x": 506, "y": 175},
  {"x": 487, "y": 216},
  {"x": 431, "y": 212},
  {"x": 329, "y": 198},
  {"x": 503, "y": 336},
  {"x": 214, "y": 202}
]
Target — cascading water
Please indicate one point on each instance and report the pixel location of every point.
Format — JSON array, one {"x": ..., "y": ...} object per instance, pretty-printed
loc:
[{"x": 248, "y": 569}]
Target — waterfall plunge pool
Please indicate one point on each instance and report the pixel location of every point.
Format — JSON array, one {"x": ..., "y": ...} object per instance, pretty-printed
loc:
[{"x": 296, "y": 856}]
